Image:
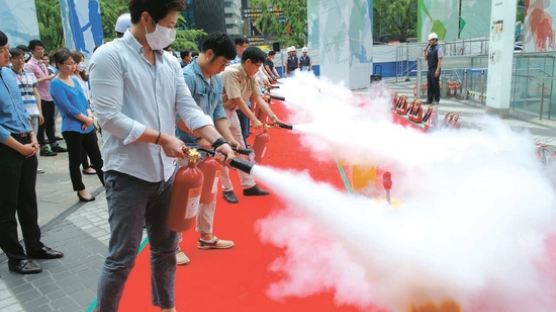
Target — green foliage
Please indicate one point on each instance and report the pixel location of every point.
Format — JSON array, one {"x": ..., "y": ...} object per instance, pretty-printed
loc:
[
  {"x": 293, "y": 31},
  {"x": 110, "y": 10},
  {"x": 52, "y": 35},
  {"x": 186, "y": 39},
  {"x": 394, "y": 19},
  {"x": 50, "y": 26}
]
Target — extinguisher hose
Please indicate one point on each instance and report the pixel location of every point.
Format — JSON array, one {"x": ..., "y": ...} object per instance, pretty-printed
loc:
[
  {"x": 237, "y": 163},
  {"x": 284, "y": 125},
  {"x": 277, "y": 97}
]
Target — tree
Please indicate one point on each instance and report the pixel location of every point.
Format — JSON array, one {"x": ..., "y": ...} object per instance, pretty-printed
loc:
[
  {"x": 394, "y": 19},
  {"x": 52, "y": 34},
  {"x": 289, "y": 29},
  {"x": 50, "y": 25}
]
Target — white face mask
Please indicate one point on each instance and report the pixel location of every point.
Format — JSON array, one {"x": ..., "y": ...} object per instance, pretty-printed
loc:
[
  {"x": 161, "y": 37},
  {"x": 81, "y": 66}
]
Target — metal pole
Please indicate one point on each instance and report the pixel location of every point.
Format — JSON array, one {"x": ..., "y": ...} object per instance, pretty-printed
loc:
[
  {"x": 542, "y": 100},
  {"x": 418, "y": 81}
]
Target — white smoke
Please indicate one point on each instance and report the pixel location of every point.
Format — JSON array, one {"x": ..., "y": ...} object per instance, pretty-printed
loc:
[{"x": 476, "y": 211}]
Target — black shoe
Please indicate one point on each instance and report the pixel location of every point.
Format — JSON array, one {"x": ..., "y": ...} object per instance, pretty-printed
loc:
[
  {"x": 254, "y": 191},
  {"x": 24, "y": 267},
  {"x": 45, "y": 151},
  {"x": 59, "y": 138},
  {"x": 83, "y": 199},
  {"x": 230, "y": 197},
  {"x": 58, "y": 149},
  {"x": 45, "y": 253}
]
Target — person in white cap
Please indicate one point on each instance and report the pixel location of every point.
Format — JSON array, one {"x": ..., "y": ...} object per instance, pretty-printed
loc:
[
  {"x": 123, "y": 23},
  {"x": 434, "y": 54},
  {"x": 292, "y": 63},
  {"x": 305, "y": 60}
]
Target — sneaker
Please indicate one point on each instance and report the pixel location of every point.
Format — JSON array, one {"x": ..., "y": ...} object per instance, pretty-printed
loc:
[
  {"x": 58, "y": 149},
  {"x": 45, "y": 151},
  {"x": 181, "y": 257},
  {"x": 230, "y": 197},
  {"x": 40, "y": 171},
  {"x": 214, "y": 243}
]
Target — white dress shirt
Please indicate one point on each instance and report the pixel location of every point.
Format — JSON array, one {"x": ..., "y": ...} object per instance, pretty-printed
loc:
[{"x": 129, "y": 95}]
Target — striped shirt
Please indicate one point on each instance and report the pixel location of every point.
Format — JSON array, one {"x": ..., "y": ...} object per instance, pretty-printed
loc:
[{"x": 27, "y": 83}]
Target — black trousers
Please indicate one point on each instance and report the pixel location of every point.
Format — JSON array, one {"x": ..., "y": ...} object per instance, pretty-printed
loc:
[
  {"x": 49, "y": 124},
  {"x": 18, "y": 176},
  {"x": 76, "y": 143},
  {"x": 433, "y": 87}
]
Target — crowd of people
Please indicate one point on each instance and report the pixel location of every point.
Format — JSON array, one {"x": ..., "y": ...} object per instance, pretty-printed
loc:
[{"x": 148, "y": 107}]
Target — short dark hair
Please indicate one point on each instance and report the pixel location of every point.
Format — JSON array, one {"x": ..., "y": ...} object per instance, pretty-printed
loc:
[
  {"x": 157, "y": 9},
  {"x": 23, "y": 48},
  {"x": 35, "y": 43},
  {"x": 240, "y": 40},
  {"x": 61, "y": 56},
  {"x": 77, "y": 56},
  {"x": 184, "y": 53},
  {"x": 220, "y": 44},
  {"x": 254, "y": 54},
  {"x": 16, "y": 52},
  {"x": 3, "y": 39},
  {"x": 271, "y": 53},
  {"x": 194, "y": 54}
]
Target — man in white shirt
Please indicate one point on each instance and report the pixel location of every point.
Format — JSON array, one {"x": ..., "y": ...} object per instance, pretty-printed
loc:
[{"x": 137, "y": 90}]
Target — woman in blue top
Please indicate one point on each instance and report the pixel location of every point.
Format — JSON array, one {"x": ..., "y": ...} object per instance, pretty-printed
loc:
[{"x": 77, "y": 121}]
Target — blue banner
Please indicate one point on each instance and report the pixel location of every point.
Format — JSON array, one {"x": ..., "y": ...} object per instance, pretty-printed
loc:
[
  {"x": 82, "y": 25},
  {"x": 18, "y": 20}
]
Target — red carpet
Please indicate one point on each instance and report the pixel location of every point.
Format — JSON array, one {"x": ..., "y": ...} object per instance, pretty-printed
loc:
[{"x": 237, "y": 279}]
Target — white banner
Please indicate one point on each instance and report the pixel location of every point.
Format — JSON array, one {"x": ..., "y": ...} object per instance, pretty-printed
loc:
[
  {"x": 18, "y": 20},
  {"x": 82, "y": 25}
]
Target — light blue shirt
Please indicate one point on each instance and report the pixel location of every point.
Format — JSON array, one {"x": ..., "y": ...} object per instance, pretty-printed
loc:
[
  {"x": 128, "y": 95},
  {"x": 71, "y": 102},
  {"x": 207, "y": 95},
  {"x": 13, "y": 117}
]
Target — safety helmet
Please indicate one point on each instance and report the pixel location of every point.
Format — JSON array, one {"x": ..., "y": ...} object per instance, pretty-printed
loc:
[
  {"x": 433, "y": 36},
  {"x": 304, "y": 50},
  {"x": 123, "y": 23}
]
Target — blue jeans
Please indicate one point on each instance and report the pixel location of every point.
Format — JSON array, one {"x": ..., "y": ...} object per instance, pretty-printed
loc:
[{"x": 133, "y": 203}]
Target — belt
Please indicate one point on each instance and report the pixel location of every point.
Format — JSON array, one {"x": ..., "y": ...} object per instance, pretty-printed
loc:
[{"x": 21, "y": 135}]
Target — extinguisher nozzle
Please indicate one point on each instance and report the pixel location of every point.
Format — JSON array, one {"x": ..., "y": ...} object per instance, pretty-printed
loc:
[
  {"x": 284, "y": 125},
  {"x": 277, "y": 97},
  {"x": 242, "y": 165}
]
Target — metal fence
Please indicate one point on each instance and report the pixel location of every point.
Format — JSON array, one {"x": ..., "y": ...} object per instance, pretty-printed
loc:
[{"x": 533, "y": 90}]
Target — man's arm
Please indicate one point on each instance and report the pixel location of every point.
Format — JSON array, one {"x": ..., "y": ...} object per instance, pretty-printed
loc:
[
  {"x": 242, "y": 106},
  {"x": 256, "y": 98},
  {"x": 194, "y": 118},
  {"x": 39, "y": 104}
]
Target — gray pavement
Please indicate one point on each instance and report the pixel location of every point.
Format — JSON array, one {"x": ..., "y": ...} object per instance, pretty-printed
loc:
[{"x": 81, "y": 230}]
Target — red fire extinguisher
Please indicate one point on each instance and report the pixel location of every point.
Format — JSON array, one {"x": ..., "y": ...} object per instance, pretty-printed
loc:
[
  {"x": 387, "y": 183},
  {"x": 259, "y": 145},
  {"x": 186, "y": 193},
  {"x": 211, "y": 170}
]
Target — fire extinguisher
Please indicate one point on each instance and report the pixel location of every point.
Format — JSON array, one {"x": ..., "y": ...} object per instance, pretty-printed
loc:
[
  {"x": 259, "y": 145},
  {"x": 387, "y": 184},
  {"x": 211, "y": 170},
  {"x": 186, "y": 193}
]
